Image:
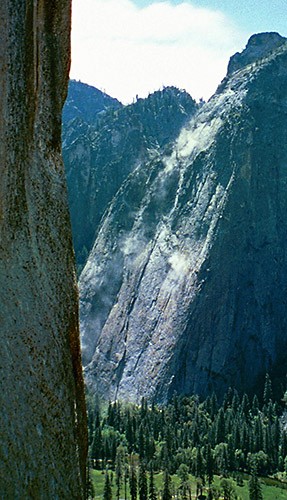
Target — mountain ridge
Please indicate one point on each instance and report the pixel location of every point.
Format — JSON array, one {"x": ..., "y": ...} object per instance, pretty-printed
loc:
[
  {"x": 99, "y": 157},
  {"x": 189, "y": 301},
  {"x": 86, "y": 102}
]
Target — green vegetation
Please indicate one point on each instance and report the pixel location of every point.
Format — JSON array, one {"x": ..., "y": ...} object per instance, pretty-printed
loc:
[
  {"x": 190, "y": 448},
  {"x": 274, "y": 491}
]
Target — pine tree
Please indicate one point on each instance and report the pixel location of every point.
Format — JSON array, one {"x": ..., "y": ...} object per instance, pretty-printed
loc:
[
  {"x": 107, "y": 488},
  {"x": 236, "y": 435},
  {"x": 166, "y": 493},
  {"x": 111, "y": 414},
  {"x": 255, "y": 405},
  {"x": 245, "y": 442},
  {"x": 133, "y": 480},
  {"x": 195, "y": 434},
  {"x": 227, "y": 400},
  {"x": 144, "y": 409},
  {"x": 245, "y": 406},
  {"x": 235, "y": 401},
  {"x": 152, "y": 491},
  {"x": 169, "y": 437},
  {"x": 90, "y": 486},
  {"x": 283, "y": 444},
  {"x": 267, "y": 440},
  {"x": 165, "y": 457},
  {"x": 97, "y": 446},
  {"x": 267, "y": 393},
  {"x": 230, "y": 452},
  {"x": 213, "y": 405},
  {"x": 229, "y": 421},
  {"x": 209, "y": 463},
  {"x": 199, "y": 465},
  {"x": 141, "y": 442},
  {"x": 184, "y": 484},
  {"x": 150, "y": 448},
  {"x": 142, "y": 482},
  {"x": 255, "y": 490},
  {"x": 126, "y": 477},
  {"x": 257, "y": 434},
  {"x": 220, "y": 427},
  {"x": 119, "y": 469},
  {"x": 221, "y": 458},
  {"x": 276, "y": 433},
  {"x": 176, "y": 406},
  {"x": 130, "y": 432}
]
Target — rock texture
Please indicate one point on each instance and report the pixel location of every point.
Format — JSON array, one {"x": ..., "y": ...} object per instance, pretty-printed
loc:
[
  {"x": 99, "y": 156},
  {"x": 185, "y": 288},
  {"x": 42, "y": 422}
]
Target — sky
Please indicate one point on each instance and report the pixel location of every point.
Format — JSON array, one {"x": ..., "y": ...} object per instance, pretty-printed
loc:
[{"x": 130, "y": 48}]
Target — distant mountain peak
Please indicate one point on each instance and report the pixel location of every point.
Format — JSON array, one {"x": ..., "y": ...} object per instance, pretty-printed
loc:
[
  {"x": 258, "y": 46},
  {"x": 86, "y": 102}
]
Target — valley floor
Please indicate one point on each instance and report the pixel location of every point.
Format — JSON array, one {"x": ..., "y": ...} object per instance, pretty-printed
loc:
[{"x": 271, "y": 489}]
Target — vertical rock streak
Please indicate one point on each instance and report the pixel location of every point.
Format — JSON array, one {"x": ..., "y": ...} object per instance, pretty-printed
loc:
[{"x": 43, "y": 432}]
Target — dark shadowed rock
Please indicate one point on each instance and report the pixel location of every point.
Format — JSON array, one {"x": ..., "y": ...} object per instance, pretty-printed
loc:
[
  {"x": 42, "y": 422},
  {"x": 185, "y": 288}
]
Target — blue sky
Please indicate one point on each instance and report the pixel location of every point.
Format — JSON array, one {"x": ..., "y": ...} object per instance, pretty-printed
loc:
[
  {"x": 253, "y": 15},
  {"x": 133, "y": 47}
]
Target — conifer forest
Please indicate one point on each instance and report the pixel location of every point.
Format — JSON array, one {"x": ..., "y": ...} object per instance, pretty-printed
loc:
[{"x": 231, "y": 438}]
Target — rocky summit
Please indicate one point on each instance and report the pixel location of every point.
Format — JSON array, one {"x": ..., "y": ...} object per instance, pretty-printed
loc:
[{"x": 185, "y": 287}]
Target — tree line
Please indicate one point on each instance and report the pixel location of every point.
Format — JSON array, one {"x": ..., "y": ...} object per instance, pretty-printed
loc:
[{"x": 187, "y": 435}]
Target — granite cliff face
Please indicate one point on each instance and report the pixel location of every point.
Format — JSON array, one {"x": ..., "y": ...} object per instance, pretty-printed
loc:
[
  {"x": 185, "y": 288},
  {"x": 99, "y": 155},
  {"x": 42, "y": 422}
]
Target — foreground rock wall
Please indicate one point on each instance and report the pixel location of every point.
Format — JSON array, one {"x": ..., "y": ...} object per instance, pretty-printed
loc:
[{"x": 42, "y": 421}]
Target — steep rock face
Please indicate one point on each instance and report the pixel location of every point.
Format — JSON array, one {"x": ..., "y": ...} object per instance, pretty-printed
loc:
[
  {"x": 185, "y": 288},
  {"x": 42, "y": 422},
  {"x": 101, "y": 156}
]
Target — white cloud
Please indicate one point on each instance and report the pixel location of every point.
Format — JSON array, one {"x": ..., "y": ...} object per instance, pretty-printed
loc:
[{"x": 126, "y": 50}]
